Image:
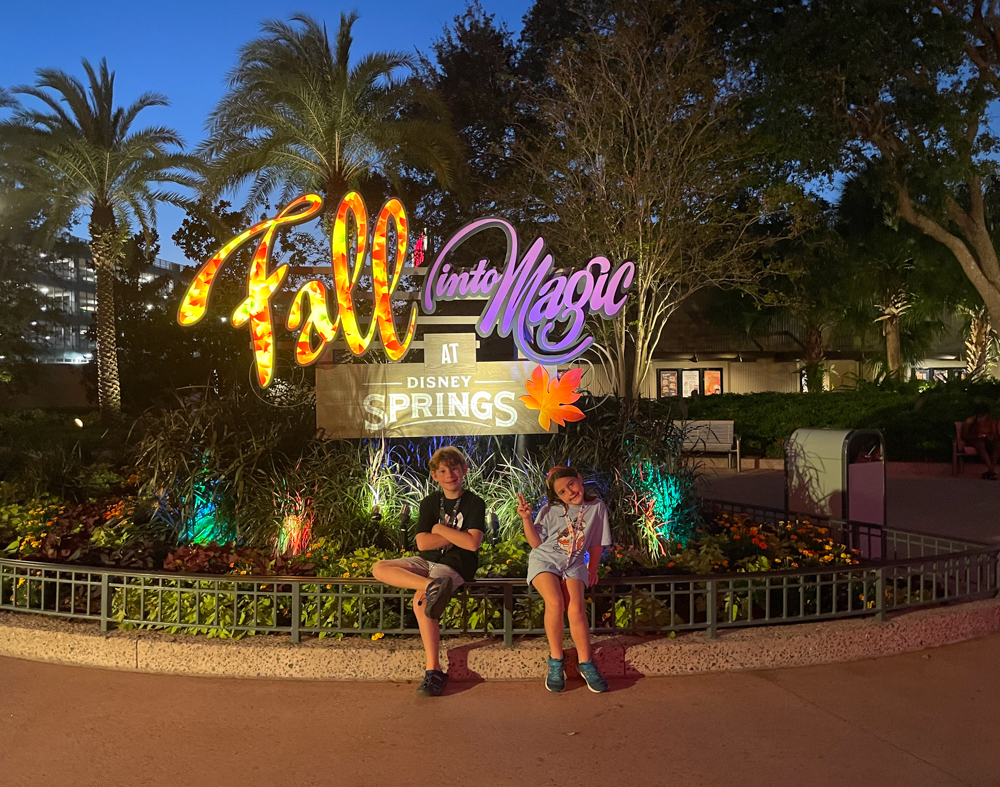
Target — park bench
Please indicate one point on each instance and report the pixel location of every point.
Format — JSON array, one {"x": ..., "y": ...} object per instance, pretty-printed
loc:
[{"x": 710, "y": 437}]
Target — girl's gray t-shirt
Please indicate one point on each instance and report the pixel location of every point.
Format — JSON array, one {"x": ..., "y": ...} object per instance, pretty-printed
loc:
[{"x": 558, "y": 553}]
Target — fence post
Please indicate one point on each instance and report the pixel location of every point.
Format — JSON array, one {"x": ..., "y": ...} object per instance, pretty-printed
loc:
[
  {"x": 296, "y": 611},
  {"x": 711, "y": 608},
  {"x": 508, "y": 615},
  {"x": 880, "y": 594},
  {"x": 404, "y": 528},
  {"x": 105, "y": 601}
]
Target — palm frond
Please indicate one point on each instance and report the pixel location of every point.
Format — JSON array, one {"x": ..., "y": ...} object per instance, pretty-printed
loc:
[{"x": 300, "y": 115}]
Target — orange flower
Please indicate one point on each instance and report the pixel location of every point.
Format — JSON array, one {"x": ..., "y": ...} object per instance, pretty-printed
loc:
[{"x": 553, "y": 400}]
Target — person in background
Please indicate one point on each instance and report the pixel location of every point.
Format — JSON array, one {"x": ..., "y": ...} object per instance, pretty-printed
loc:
[{"x": 980, "y": 430}]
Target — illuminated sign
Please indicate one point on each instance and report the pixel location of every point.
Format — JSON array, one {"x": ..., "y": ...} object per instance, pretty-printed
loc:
[
  {"x": 544, "y": 313},
  {"x": 449, "y": 394},
  {"x": 318, "y": 328}
]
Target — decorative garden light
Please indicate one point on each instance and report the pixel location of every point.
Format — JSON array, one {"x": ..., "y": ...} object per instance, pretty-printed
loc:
[
  {"x": 297, "y": 517},
  {"x": 658, "y": 498},
  {"x": 205, "y": 524}
]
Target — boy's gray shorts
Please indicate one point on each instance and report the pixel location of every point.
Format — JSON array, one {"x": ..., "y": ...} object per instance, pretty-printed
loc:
[{"x": 425, "y": 568}]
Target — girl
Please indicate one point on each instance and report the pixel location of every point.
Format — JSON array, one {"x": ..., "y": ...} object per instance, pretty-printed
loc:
[{"x": 566, "y": 543}]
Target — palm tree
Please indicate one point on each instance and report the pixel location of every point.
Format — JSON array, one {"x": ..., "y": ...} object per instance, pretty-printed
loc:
[
  {"x": 299, "y": 117},
  {"x": 82, "y": 154}
]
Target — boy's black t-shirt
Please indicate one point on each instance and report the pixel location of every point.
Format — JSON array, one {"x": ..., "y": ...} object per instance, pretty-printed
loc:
[{"x": 470, "y": 515}]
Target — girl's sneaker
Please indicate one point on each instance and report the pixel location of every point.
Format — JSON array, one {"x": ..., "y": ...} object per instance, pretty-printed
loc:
[
  {"x": 556, "y": 679},
  {"x": 595, "y": 682}
]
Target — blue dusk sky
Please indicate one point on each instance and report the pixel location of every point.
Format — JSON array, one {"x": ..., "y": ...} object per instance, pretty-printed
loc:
[{"x": 184, "y": 49}]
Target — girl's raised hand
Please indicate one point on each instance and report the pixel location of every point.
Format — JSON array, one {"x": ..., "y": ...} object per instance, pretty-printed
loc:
[{"x": 522, "y": 507}]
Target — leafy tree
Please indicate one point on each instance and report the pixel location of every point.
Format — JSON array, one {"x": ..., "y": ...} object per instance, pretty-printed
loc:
[
  {"x": 807, "y": 304},
  {"x": 900, "y": 280},
  {"x": 20, "y": 305},
  {"x": 475, "y": 73},
  {"x": 298, "y": 116},
  {"x": 163, "y": 356},
  {"x": 551, "y": 25},
  {"x": 845, "y": 84},
  {"x": 82, "y": 154},
  {"x": 642, "y": 158}
]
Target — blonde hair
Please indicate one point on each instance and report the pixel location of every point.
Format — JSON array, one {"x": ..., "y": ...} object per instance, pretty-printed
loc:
[{"x": 448, "y": 455}]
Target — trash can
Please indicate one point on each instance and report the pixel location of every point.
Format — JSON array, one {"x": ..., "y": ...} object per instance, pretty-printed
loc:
[{"x": 836, "y": 473}]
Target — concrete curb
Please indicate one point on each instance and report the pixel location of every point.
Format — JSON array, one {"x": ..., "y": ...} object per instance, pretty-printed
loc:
[{"x": 79, "y": 643}]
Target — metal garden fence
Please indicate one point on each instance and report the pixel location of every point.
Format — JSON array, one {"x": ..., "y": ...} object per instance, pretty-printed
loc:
[{"x": 900, "y": 570}]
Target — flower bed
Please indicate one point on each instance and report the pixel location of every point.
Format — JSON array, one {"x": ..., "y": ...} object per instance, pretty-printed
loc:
[{"x": 101, "y": 534}]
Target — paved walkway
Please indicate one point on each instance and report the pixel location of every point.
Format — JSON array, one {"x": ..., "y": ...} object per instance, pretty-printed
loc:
[
  {"x": 922, "y": 719},
  {"x": 964, "y": 507}
]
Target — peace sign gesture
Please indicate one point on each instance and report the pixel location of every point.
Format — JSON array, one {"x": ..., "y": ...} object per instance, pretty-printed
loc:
[{"x": 523, "y": 508}]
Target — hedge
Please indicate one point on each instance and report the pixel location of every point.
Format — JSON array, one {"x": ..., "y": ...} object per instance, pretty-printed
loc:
[{"x": 918, "y": 425}]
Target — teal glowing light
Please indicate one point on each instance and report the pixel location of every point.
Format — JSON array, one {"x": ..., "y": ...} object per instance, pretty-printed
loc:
[
  {"x": 659, "y": 503},
  {"x": 206, "y": 524}
]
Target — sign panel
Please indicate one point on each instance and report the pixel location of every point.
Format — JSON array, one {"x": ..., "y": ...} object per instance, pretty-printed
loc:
[
  {"x": 423, "y": 399},
  {"x": 668, "y": 383},
  {"x": 691, "y": 381},
  {"x": 713, "y": 381},
  {"x": 543, "y": 307}
]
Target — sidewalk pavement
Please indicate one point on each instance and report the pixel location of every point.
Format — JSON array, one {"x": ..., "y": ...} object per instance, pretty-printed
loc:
[
  {"x": 962, "y": 507},
  {"x": 924, "y": 719}
]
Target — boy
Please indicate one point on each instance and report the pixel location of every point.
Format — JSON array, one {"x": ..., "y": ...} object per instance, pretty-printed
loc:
[{"x": 449, "y": 533}]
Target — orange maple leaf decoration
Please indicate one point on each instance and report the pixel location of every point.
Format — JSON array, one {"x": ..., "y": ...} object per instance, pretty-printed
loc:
[{"x": 553, "y": 400}]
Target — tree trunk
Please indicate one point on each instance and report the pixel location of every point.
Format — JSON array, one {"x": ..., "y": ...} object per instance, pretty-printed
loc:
[
  {"x": 814, "y": 364},
  {"x": 980, "y": 345},
  {"x": 973, "y": 247},
  {"x": 893, "y": 351},
  {"x": 106, "y": 250},
  {"x": 815, "y": 377}
]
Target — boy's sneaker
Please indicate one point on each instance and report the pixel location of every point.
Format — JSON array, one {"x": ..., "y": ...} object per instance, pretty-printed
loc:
[
  {"x": 433, "y": 683},
  {"x": 556, "y": 679},
  {"x": 437, "y": 595},
  {"x": 595, "y": 682}
]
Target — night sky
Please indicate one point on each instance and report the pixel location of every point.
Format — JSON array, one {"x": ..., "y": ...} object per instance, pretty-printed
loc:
[{"x": 184, "y": 49}]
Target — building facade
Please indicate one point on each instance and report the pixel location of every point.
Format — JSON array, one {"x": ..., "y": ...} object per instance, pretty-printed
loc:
[{"x": 69, "y": 286}]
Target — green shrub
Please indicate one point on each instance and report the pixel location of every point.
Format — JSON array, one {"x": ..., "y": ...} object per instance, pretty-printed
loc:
[{"x": 918, "y": 426}]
